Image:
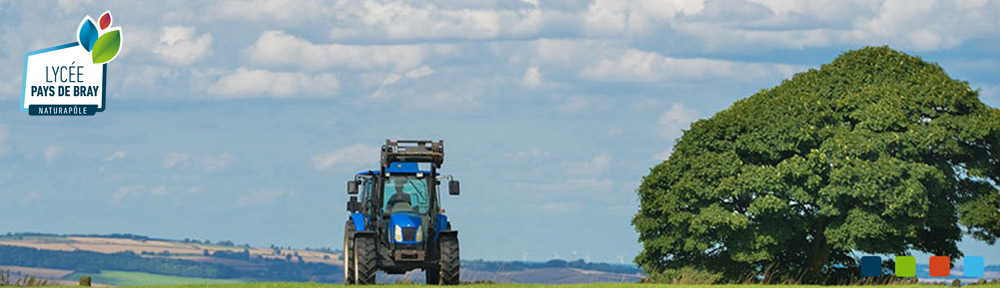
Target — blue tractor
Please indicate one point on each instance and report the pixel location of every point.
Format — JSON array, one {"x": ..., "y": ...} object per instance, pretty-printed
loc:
[{"x": 398, "y": 224}]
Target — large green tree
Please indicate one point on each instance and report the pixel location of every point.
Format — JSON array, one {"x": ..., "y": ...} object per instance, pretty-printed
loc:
[{"x": 878, "y": 152}]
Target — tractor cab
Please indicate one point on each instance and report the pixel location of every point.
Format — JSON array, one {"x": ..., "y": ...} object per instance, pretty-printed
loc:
[
  {"x": 404, "y": 188},
  {"x": 406, "y": 200}
]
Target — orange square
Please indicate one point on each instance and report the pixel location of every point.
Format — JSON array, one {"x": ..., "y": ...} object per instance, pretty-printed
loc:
[{"x": 940, "y": 266}]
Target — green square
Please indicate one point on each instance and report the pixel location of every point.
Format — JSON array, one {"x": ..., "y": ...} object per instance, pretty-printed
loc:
[{"x": 906, "y": 266}]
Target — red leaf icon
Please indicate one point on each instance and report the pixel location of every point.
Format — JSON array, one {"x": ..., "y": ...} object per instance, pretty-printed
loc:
[{"x": 105, "y": 20}]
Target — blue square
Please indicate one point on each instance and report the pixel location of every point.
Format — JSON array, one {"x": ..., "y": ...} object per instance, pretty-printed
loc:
[
  {"x": 973, "y": 267},
  {"x": 871, "y": 266}
]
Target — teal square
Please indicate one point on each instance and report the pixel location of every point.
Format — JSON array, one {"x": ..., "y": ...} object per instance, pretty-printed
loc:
[
  {"x": 906, "y": 266},
  {"x": 871, "y": 266},
  {"x": 973, "y": 266}
]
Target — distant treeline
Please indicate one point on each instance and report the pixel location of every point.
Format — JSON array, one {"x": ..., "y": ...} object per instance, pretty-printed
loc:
[
  {"x": 21, "y": 236},
  {"x": 482, "y": 265},
  {"x": 94, "y": 262}
]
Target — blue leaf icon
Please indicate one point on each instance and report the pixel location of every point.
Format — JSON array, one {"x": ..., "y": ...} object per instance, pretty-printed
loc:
[{"x": 88, "y": 33}]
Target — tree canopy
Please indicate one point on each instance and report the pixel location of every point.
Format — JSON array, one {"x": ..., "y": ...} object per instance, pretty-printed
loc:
[{"x": 877, "y": 152}]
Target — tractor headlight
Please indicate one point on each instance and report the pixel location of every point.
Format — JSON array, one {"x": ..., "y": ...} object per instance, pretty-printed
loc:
[
  {"x": 399, "y": 234},
  {"x": 420, "y": 233}
]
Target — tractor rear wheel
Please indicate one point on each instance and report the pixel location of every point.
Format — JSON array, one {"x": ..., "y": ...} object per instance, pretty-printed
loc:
[
  {"x": 450, "y": 261},
  {"x": 364, "y": 259},
  {"x": 348, "y": 252}
]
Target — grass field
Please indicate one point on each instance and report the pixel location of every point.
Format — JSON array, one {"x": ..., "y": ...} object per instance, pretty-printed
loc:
[
  {"x": 122, "y": 278},
  {"x": 593, "y": 285}
]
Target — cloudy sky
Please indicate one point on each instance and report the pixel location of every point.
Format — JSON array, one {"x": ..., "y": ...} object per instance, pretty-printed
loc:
[{"x": 242, "y": 120}]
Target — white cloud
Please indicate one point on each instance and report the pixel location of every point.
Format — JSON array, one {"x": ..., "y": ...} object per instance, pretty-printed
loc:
[
  {"x": 418, "y": 73},
  {"x": 253, "y": 83},
  {"x": 671, "y": 125},
  {"x": 174, "y": 159},
  {"x": 646, "y": 103},
  {"x": 353, "y": 156},
  {"x": 576, "y": 103},
  {"x": 590, "y": 184},
  {"x": 555, "y": 207},
  {"x": 991, "y": 95},
  {"x": 930, "y": 25},
  {"x": 118, "y": 155},
  {"x": 72, "y": 5},
  {"x": 179, "y": 46},
  {"x": 30, "y": 197},
  {"x": 403, "y": 20},
  {"x": 568, "y": 52},
  {"x": 159, "y": 191},
  {"x": 52, "y": 152},
  {"x": 147, "y": 76},
  {"x": 4, "y": 146},
  {"x": 414, "y": 74},
  {"x": 208, "y": 163},
  {"x": 125, "y": 192},
  {"x": 277, "y": 48},
  {"x": 532, "y": 77},
  {"x": 616, "y": 18},
  {"x": 532, "y": 153},
  {"x": 133, "y": 191},
  {"x": 677, "y": 118},
  {"x": 908, "y": 25},
  {"x": 592, "y": 168},
  {"x": 273, "y": 11},
  {"x": 214, "y": 163},
  {"x": 762, "y": 25},
  {"x": 635, "y": 65},
  {"x": 262, "y": 197}
]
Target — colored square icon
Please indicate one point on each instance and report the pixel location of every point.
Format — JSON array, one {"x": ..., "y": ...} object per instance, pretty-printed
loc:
[
  {"x": 940, "y": 266},
  {"x": 871, "y": 266},
  {"x": 973, "y": 266},
  {"x": 906, "y": 266}
]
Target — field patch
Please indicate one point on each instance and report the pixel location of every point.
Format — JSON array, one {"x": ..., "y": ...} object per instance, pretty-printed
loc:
[{"x": 123, "y": 278}]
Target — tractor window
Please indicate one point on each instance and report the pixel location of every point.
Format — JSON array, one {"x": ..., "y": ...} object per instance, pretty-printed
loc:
[
  {"x": 367, "y": 189},
  {"x": 415, "y": 188},
  {"x": 367, "y": 185}
]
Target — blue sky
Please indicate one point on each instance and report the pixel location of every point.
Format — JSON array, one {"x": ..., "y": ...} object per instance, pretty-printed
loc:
[{"x": 242, "y": 120}]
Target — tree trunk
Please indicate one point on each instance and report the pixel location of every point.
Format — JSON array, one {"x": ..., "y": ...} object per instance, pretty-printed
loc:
[{"x": 819, "y": 254}]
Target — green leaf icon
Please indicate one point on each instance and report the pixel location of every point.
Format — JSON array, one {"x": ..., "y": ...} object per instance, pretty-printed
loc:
[{"x": 106, "y": 47}]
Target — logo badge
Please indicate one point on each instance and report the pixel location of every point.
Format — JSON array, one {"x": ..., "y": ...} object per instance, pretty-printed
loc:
[{"x": 69, "y": 79}]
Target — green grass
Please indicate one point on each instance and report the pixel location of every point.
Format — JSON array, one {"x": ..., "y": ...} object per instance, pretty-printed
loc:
[
  {"x": 122, "y": 278},
  {"x": 594, "y": 285}
]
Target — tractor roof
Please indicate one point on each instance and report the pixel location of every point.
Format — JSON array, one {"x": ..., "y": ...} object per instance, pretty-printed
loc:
[{"x": 416, "y": 151}]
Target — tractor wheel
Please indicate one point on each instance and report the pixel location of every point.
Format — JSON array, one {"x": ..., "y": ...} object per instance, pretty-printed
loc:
[
  {"x": 364, "y": 259},
  {"x": 450, "y": 261},
  {"x": 348, "y": 252},
  {"x": 433, "y": 275}
]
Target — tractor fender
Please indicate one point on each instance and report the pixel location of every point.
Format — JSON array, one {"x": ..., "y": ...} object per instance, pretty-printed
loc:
[
  {"x": 359, "y": 221},
  {"x": 451, "y": 233},
  {"x": 440, "y": 224}
]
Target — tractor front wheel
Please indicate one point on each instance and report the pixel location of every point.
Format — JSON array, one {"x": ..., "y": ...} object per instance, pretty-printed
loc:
[
  {"x": 450, "y": 263},
  {"x": 348, "y": 253},
  {"x": 364, "y": 259}
]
